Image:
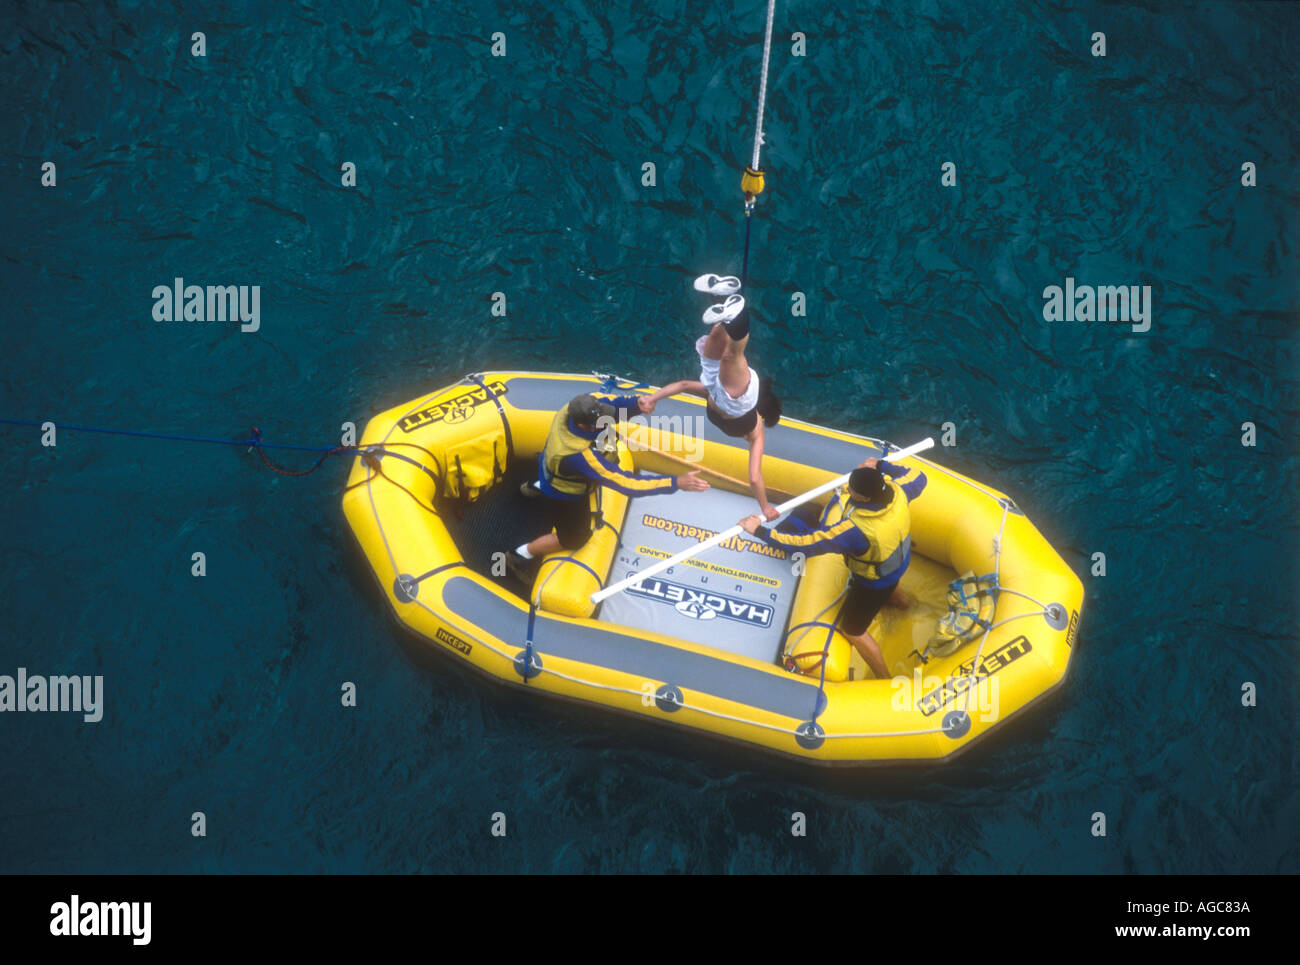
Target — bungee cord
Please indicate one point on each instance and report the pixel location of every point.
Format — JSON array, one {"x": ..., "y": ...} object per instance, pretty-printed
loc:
[{"x": 752, "y": 181}]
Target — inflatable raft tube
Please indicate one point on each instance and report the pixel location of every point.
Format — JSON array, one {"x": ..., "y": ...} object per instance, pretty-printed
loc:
[{"x": 432, "y": 500}]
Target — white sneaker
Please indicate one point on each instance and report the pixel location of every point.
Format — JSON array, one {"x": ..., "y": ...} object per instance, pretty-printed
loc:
[
  {"x": 724, "y": 311},
  {"x": 718, "y": 284}
]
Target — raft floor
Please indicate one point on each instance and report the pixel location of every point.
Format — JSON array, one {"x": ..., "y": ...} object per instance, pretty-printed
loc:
[
  {"x": 899, "y": 632},
  {"x": 736, "y": 596},
  {"x": 504, "y": 518}
]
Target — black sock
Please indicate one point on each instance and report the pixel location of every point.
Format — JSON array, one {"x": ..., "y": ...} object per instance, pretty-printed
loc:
[{"x": 738, "y": 327}]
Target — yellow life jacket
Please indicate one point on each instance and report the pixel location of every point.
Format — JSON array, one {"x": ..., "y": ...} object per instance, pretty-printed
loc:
[
  {"x": 971, "y": 602},
  {"x": 562, "y": 442},
  {"x": 886, "y": 529}
]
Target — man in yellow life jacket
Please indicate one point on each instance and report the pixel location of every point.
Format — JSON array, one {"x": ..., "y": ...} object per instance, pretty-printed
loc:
[
  {"x": 872, "y": 529},
  {"x": 581, "y": 452}
]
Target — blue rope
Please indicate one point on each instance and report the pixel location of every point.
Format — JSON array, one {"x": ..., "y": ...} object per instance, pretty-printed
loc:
[
  {"x": 436, "y": 570},
  {"x": 958, "y": 587},
  {"x": 821, "y": 686},
  {"x": 254, "y": 440},
  {"x": 744, "y": 270},
  {"x": 532, "y": 613},
  {"x": 528, "y": 645},
  {"x": 810, "y": 623},
  {"x": 569, "y": 559},
  {"x": 826, "y": 655}
]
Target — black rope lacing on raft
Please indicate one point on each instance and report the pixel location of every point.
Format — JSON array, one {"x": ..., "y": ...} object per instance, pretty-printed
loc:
[
  {"x": 369, "y": 454},
  {"x": 505, "y": 423}
]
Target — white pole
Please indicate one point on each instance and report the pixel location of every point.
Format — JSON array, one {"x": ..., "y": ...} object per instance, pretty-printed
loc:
[{"x": 725, "y": 535}]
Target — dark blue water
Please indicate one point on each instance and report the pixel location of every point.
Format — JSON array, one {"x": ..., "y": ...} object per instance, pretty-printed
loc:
[{"x": 522, "y": 175}]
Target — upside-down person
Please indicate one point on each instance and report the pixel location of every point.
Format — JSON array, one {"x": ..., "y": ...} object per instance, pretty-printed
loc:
[
  {"x": 581, "y": 452},
  {"x": 736, "y": 396},
  {"x": 873, "y": 533}
]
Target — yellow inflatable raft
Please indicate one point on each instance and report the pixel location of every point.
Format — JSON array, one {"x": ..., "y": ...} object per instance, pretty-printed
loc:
[{"x": 739, "y": 643}]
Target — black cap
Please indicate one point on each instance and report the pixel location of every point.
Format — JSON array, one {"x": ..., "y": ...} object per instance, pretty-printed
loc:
[
  {"x": 586, "y": 410},
  {"x": 868, "y": 484}
]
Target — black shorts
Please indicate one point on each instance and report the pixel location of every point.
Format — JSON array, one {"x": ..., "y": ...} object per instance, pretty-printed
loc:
[
  {"x": 738, "y": 427},
  {"x": 861, "y": 606},
  {"x": 571, "y": 519}
]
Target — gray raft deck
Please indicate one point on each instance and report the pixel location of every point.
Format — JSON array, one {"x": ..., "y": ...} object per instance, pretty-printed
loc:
[
  {"x": 504, "y": 518},
  {"x": 735, "y": 597}
]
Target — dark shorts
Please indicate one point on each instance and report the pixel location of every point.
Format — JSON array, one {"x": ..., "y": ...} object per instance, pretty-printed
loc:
[
  {"x": 861, "y": 606},
  {"x": 571, "y": 519},
  {"x": 738, "y": 427}
]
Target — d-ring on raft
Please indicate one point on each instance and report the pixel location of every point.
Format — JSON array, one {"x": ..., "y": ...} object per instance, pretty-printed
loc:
[{"x": 739, "y": 643}]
